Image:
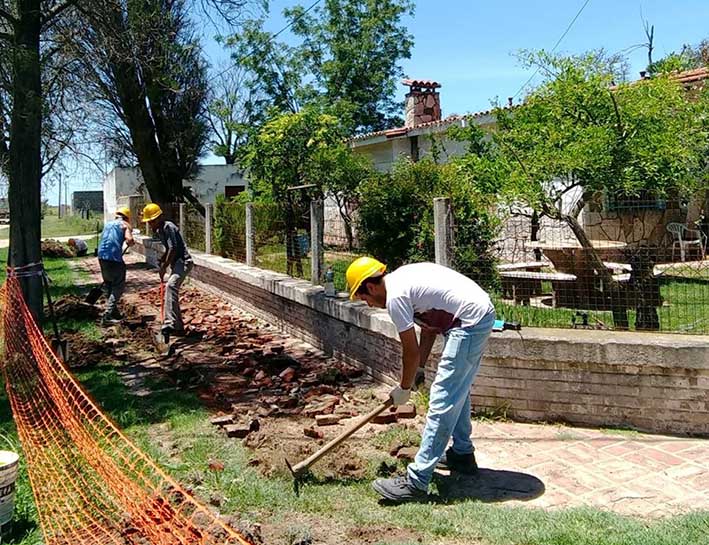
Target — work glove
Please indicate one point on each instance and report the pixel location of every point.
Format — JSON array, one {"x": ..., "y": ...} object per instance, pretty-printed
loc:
[{"x": 399, "y": 396}]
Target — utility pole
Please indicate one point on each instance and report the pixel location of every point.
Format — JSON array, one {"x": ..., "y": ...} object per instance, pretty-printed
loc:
[
  {"x": 66, "y": 199},
  {"x": 59, "y": 208}
]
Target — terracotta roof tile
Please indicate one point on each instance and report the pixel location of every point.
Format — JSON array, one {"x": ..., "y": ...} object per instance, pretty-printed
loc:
[
  {"x": 400, "y": 131},
  {"x": 692, "y": 76}
]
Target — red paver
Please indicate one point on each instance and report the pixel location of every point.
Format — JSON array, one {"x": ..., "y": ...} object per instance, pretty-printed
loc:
[{"x": 633, "y": 474}]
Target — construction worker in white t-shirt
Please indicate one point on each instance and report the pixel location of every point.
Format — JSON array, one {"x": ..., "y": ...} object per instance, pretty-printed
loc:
[{"x": 442, "y": 302}]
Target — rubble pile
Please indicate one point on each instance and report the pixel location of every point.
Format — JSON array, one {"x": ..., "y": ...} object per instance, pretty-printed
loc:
[
  {"x": 249, "y": 371},
  {"x": 54, "y": 248}
]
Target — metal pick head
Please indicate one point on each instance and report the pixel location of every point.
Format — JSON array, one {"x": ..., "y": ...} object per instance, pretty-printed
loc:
[{"x": 296, "y": 480}]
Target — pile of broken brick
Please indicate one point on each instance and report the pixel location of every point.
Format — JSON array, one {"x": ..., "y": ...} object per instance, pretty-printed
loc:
[{"x": 258, "y": 372}]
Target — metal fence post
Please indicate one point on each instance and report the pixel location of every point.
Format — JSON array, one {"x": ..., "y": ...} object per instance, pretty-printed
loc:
[
  {"x": 317, "y": 254},
  {"x": 443, "y": 227},
  {"x": 208, "y": 212},
  {"x": 250, "y": 257}
]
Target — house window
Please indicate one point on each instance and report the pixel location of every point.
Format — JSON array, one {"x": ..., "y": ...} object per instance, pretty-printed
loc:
[
  {"x": 643, "y": 200},
  {"x": 232, "y": 190}
]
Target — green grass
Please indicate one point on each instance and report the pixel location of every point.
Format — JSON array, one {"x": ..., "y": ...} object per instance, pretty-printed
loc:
[
  {"x": 25, "y": 530},
  {"x": 685, "y": 308},
  {"x": 194, "y": 442},
  {"x": 52, "y": 226},
  {"x": 180, "y": 421}
]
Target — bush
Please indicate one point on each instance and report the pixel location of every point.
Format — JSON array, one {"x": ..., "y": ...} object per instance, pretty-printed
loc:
[{"x": 396, "y": 217}]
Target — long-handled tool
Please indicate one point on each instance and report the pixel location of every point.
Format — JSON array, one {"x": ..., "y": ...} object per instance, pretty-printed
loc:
[
  {"x": 300, "y": 468},
  {"x": 59, "y": 346}
]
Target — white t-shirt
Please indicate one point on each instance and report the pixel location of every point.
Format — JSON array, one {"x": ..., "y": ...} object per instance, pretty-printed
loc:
[{"x": 434, "y": 296}]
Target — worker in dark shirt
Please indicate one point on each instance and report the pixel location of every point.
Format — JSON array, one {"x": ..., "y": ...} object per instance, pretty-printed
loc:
[{"x": 177, "y": 259}]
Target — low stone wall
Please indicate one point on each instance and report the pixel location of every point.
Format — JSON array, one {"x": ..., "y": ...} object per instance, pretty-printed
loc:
[{"x": 650, "y": 382}]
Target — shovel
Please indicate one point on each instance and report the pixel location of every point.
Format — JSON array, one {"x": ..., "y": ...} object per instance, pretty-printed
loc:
[
  {"x": 299, "y": 469},
  {"x": 59, "y": 346}
]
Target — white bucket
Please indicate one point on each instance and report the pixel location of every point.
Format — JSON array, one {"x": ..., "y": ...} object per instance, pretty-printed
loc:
[{"x": 9, "y": 462}]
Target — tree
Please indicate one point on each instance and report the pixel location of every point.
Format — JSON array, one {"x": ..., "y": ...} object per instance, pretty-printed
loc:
[
  {"x": 281, "y": 156},
  {"x": 687, "y": 58},
  {"x": 577, "y": 133},
  {"x": 22, "y": 23},
  {"x": 353, "y": 49},
  {"x": 235, "y": 109},
  {"x": 347, "y": 62},
  {"x": 341, "y": 172},
  {"x": 144, "y": 65}
]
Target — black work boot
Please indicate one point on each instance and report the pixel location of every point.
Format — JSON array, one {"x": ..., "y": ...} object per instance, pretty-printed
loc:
[
  {"x": 462, "y": 463},
  {"x": 399, "y": 490}
]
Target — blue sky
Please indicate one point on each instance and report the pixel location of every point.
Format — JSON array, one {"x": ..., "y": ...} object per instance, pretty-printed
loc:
[{"x": 468, "y": 45}]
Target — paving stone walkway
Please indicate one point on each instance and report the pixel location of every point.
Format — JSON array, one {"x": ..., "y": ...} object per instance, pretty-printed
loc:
[{"x": 556, "y": 467}]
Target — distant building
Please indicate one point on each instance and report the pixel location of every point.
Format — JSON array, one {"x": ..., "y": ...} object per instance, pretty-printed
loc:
[{"x": 211, "y": 181}]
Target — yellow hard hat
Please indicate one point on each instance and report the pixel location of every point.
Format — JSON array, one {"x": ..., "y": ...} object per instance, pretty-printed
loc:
[
  {"x": 151, "y": 212},
  {"x": 361, "y": 269},
  {"x": 124, "y": 211}
]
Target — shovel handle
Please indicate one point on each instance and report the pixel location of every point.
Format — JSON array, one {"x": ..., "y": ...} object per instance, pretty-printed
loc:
[{"x": 305, "y": 464}]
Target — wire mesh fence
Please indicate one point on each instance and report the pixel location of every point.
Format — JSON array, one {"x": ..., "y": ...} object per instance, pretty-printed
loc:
[
  {"x": 229, "y": 230},
  {"x": 642, "y": 267},
  {"x": 194, "y": 226},
  {"x": 341, "y": 242}
]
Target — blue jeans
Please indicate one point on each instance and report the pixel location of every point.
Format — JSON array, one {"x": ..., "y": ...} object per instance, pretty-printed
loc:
[{"x": 449, "y": 406}]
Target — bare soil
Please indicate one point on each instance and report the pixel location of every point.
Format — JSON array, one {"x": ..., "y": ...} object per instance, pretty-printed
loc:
[{"x": 246, "y": 371}]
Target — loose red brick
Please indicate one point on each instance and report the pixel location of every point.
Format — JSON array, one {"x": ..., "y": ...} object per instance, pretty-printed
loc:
[
  {"x": 237, "y": 431},
  {"x": 287, "y": 375},
  {"x": 222, "y": 420},
  {"x": 312, "y": 432},
  {"x": 407, "y": 453},
  {"x": 387, "y": 417},
  {"x": 327, "y": 419},
  {"x": 406, "y": 411}
]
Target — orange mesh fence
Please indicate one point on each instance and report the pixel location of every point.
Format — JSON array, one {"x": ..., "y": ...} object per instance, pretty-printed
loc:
[{"x": 91, "y": 484}]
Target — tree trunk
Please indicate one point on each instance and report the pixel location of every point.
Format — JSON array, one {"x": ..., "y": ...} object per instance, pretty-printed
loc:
[
  {"x": 25, "y": 163},
  {"x": 614, "y": 289},
  {"x": 534, "y": 234}
]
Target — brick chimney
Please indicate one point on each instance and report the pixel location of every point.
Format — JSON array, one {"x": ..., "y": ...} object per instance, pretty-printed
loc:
[{"x": 423, "y": 103}]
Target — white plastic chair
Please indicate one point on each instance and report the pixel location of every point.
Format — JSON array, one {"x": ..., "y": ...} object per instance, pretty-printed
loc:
[{"x": 685, "y": 238}]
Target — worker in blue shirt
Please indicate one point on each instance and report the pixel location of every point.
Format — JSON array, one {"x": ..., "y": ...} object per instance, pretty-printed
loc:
[{"x": 110, "y": 257}]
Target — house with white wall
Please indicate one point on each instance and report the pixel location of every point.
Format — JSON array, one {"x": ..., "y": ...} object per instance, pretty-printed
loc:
[
  {"x": 424, "y": 123},
  {"x": 212, "y": 180}
]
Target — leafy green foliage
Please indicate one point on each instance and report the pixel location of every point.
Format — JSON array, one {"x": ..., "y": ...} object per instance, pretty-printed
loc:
[
  {"x": 396, "y": 221},
  {"x": 578, "y": 131},
  {"x": 687, "y": 58},
  {"x": 352, "y": 49},
  {"x": 347, "y": 60},
  {"x": 282, "y": 153}
]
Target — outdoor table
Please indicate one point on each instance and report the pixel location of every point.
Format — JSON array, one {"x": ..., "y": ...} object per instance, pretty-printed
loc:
[{"x": 569, "y": 257}]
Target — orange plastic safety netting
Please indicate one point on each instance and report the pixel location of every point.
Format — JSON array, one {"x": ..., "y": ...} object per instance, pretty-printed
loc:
[{"x": 91, "y": 484}]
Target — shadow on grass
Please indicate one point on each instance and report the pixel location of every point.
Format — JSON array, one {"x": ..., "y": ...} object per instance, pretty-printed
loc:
[{"x": 159, "y": 401}]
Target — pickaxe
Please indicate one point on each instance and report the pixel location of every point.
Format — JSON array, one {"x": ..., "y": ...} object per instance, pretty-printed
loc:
[{"x": 299, "y": 469}]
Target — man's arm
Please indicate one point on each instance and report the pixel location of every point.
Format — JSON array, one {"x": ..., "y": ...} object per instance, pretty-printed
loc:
[
  {"x": 428, "y": 337},
  {"x": 128, "y": 234},
  {"x": 410, "y": 357}
]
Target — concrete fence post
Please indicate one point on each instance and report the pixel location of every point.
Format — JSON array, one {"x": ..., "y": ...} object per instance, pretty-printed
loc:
[
  {"x": 317, "y": 253},
  {"x": 443, "y": 227},
  {"x": 208, "y": 213},
  {"x": 250, "y": 256},
  {"x": 183, "y": 218}
]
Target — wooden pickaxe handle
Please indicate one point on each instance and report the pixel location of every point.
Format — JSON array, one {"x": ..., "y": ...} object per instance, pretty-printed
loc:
[{"x": 305, "y": 464}]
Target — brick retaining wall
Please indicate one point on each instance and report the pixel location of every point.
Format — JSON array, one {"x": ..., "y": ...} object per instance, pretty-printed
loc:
[{"x": 650, "y": 382}]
